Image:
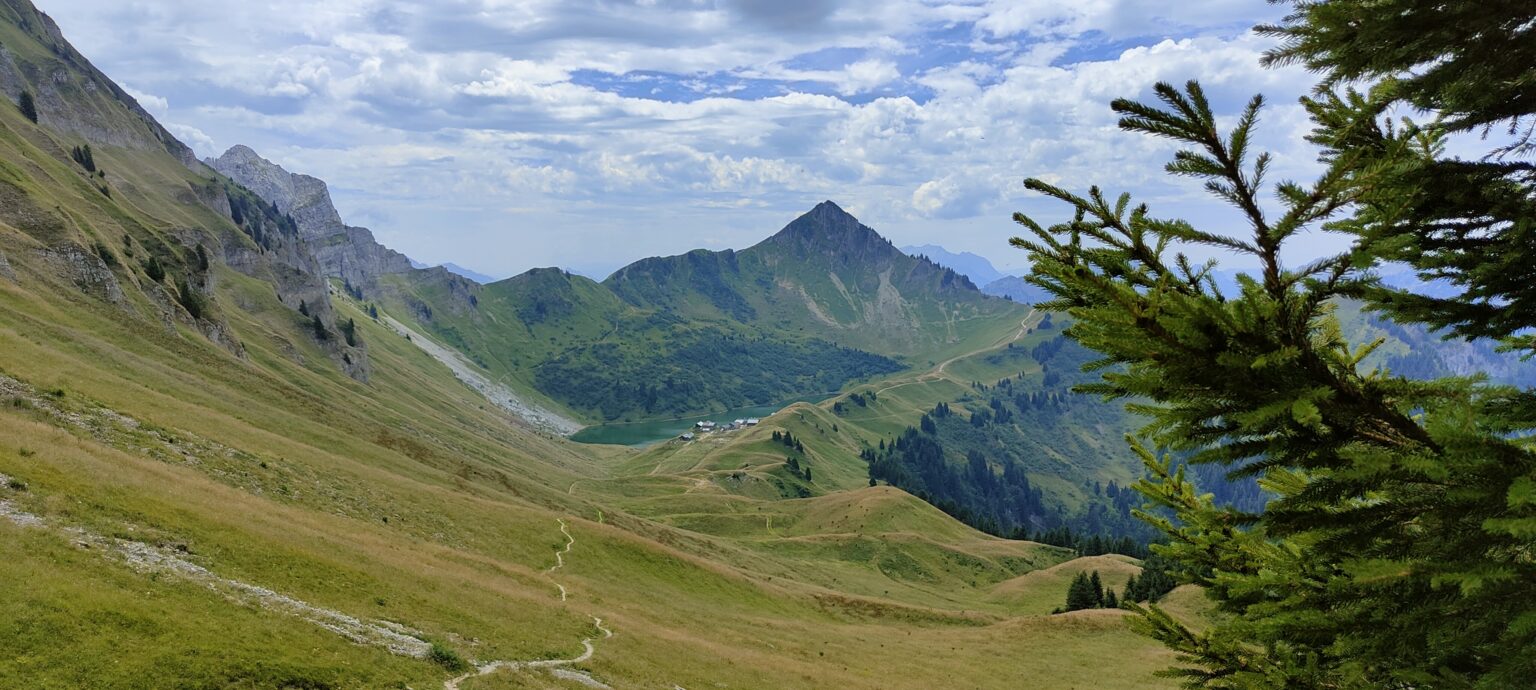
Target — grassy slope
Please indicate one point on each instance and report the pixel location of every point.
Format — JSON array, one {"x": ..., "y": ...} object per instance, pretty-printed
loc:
[{"x": 861, "y": 589}]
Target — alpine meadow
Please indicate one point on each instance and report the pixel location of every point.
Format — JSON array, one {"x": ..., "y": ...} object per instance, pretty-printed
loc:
[{"x": 845, "y": 344}]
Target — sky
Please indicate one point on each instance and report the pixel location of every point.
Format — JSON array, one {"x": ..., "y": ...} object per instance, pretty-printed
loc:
[{"x": 503, "y": 135}]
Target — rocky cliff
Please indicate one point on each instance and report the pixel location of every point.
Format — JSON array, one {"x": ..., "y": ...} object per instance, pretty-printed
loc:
[{"x": 343, "y": 251}]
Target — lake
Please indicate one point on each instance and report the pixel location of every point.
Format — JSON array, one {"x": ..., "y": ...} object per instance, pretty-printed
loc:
[{"x": 644, "y": 433}]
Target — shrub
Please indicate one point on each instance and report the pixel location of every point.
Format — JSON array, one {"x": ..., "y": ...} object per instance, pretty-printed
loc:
[
  {"x": 107, "y": 257},
  {"x": 447, "y": 658},
  {"x": 153, "y": 270}
]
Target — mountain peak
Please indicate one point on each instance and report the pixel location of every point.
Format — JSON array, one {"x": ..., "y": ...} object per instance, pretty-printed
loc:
[
  {"x": 827, "y": 227},
  {"x": 830, "y": 208}
]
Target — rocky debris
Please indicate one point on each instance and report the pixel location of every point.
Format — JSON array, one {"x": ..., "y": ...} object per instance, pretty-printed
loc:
[
  {"x": 85, "y": 269},
  {"x": 6, "y": 271},
  {"x": 580, "y": 677},
  {"x": 169, "y": 560},
  {"x": 497, "y": 393}
]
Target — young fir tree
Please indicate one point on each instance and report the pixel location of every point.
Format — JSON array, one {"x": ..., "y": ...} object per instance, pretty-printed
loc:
[
  {"x": 28, "y": 106},
  {"x": 190, "y": 299},
  {"x": 1396, "y": 552}
]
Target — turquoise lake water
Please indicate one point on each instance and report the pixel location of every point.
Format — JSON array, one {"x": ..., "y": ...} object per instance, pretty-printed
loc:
[{"x": 647, "y": 432}]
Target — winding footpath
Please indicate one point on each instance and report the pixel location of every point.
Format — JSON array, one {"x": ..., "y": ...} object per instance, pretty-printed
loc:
[
  {"x": 570, "y": 541},
  {"x": 555, "y": 666}
]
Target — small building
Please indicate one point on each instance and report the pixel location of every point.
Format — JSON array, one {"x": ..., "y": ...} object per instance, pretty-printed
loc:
[
  {"x": 687, "y": 437},
  {"x": 705, "y": 425},
  {"x": 752, "y": 421}
]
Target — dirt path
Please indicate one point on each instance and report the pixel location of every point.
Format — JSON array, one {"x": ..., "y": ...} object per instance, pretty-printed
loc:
[
  {"x": 555, "y": 666},
  {"x": 940, "y": 371},
  {"x": 588, "y": 650},
  {"x": 560, "y": 557}
]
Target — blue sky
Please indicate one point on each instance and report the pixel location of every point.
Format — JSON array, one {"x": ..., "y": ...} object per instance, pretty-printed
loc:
[{"x": 507, "y": 134}]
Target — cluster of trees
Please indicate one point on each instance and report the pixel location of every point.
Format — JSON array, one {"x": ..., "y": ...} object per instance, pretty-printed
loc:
[
  {"x": 1155, "y": 580},
  {"x": 699, "y": 369},
  {"x": 1088, "y": 592},
  {"x": 261, "y": 221},
  {"x": 82, "y": 155},
  {"x": 974, "y": 467},
  {"x": 999, "y": 503},
  {"x": 1084, "y": 544},
  {"x": 860, "y": 398},
  {"x": 1395, "y": 551},
  {"x": 792, "y": 461},
  {"x": 789, "y": 441}
]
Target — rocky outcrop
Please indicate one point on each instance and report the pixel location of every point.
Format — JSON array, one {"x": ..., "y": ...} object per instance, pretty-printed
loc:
[
  {"x": 85, "y": 269},
  {"x": 346, "y": 252},
  {"x": 73, "y": 96}
]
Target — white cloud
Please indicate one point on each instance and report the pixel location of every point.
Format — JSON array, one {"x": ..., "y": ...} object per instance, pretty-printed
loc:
[
  {"x": 866, "y": 75},
  {"x": 434, "y": 118},
  {"x": 156, "y": 105}
]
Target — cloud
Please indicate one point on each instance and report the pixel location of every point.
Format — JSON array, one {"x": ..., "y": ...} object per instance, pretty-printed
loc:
[{"x": 589, "y": 133}]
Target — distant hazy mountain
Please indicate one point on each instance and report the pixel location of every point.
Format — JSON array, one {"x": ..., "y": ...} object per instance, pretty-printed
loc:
[
  {"x": 1016, "y": 289},
  {"x": 462, "y": 272},
  {"x": 973, "y": 266}
]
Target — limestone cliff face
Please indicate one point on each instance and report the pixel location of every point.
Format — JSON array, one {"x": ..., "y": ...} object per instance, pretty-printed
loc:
[{"x": 343, "y": 251}]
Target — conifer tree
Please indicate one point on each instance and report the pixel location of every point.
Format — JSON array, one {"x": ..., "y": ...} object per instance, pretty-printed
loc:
[
  {"x": 189, "y": 298},
  {"x": 28, "y": 106},
  {"x": 1396, "y": 550}
]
